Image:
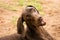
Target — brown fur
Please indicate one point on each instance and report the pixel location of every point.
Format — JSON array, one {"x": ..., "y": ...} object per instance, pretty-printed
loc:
[{"x": 34, "y": 23}]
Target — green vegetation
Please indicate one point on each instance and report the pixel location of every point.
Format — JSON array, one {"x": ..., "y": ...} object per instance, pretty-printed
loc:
[
  {"x": 8, "y": 7},
  {"x": 31, "y": 2},
  {"x": 22, "y": 3}
]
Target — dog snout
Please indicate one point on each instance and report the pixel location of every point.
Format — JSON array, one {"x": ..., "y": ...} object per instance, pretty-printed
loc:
[{"x": 41, "y": 22}]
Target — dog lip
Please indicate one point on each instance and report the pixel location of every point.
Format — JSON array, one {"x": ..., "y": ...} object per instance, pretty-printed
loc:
[{"x": 43, "y": 24}]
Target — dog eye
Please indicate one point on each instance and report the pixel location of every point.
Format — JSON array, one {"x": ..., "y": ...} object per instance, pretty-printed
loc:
[{"x": 28, "y": 17}]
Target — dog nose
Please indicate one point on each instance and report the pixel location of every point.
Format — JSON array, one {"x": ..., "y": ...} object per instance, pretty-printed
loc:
[{"x": 29, "y": 8}]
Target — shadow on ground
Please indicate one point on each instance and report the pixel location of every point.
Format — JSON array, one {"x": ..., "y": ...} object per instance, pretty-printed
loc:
[{"x": 11, "y": 37}]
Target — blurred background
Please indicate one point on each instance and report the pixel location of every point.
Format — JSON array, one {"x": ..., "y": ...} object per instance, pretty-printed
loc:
[{"x": 10, "y": 10}]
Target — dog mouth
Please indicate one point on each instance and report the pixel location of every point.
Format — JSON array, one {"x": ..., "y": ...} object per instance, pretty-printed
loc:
[{"x": 41, "y": 22}]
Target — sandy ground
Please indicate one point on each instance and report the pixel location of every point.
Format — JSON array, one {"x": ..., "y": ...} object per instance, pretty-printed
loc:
[{"x": 51, "y": 16}]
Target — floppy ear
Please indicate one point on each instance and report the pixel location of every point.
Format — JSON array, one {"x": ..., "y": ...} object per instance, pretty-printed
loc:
[{"x": 20, "y": 27}]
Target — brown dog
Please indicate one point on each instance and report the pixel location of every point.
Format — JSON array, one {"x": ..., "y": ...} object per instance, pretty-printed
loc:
[{"x": 34, "y": 21}]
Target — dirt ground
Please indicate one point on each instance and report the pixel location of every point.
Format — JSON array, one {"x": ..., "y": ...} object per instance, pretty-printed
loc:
[{"x": 51, "y": 16}]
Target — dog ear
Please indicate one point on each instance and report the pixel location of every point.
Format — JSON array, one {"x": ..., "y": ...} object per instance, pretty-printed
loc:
[{"x": 20, "y": 26}]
